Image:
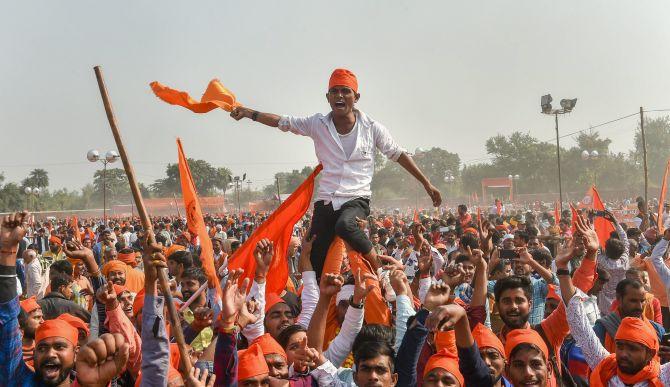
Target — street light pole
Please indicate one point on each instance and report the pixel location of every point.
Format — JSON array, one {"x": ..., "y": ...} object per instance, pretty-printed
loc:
[
  {"x": 110, "y": 157},
  {"x": 558, "y": 156}
]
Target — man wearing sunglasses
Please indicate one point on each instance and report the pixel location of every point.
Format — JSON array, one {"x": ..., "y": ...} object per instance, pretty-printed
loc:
[{"x": 345, "y": 141}]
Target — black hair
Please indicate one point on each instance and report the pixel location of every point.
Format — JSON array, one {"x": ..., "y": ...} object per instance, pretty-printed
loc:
[
  {"x": 63, "y": 266},
  {"x": 373, "y": 349},
  {"x": 614, "y": 248},
  {"x": 60, "y": 279},
  {"x": 523, "y": 235},
  {"x": 513, "y": 282},
  {"x": 374, "y": 332},
  {"x": 195, "y": 273},
  {"x": 462, "y": 258},
  {"x": 626, "y": 283},
  {"x": 526, "y": 347},
  {"x": 160, "y": 238},
  {"x": 633, "y": 232},
  {"x": 532, "y": 231},
  {"x": 469, "y": 240},
  {"x": 541, "y": 255},
  {"x": 462, "y": 207},
  {"x": 286, "y": 333},
  {"x": 500, "y": 266},
  {"x": 182, "y": 257}
]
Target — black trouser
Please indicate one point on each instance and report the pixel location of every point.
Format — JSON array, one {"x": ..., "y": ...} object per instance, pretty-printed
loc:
[
  {"x": 326, "y": 223},
  {"x": 665, "y": 312}
]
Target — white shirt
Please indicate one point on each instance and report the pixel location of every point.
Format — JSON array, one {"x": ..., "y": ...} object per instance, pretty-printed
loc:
[
  {"x": 344, "y": 178},
  {"x": 34, "y": 279}
]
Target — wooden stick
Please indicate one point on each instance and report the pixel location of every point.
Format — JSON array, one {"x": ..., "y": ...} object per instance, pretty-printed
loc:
[{"x": 146, "y": 222}]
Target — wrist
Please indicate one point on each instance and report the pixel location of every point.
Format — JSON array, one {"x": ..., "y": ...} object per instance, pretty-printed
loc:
[{"x": 111, "y": 305}]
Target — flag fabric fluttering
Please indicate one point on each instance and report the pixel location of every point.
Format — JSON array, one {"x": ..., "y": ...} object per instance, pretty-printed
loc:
[
  {"x": 195, "y": 221},
  {"x": 75, "y": 226},
  {"x": 277, "y": 228},
  {"x": 603, "y": 226},
  {"x": 216, "y": 96},
  {"x": 557, "y": 212},
  {"x": 661, "y": 197}
]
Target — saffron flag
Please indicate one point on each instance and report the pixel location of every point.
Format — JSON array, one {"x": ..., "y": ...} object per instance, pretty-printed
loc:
[
  {"x": 277, "y": 228},
  {"x": 415, "y": 218},
  {"x": 557, "y": 212},
  {"x": 661, "y": 199},
  {"x": 574, "y": 218},
  {"x": 195, "y": 221},
  {"x": 603, "y": 226},
  {"x": 216, "y": 96},
  {"x": 75, "y": 226}
]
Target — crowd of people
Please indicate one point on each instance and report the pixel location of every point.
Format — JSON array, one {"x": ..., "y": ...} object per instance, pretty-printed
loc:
[{"x": 488, "y": 298}]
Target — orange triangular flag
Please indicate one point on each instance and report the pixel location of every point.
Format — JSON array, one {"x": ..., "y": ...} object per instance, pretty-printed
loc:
[
  {"x": 661, "y": 197},
  {"x": 75, "y": 226},
  {"x": 557, "y": 212},
  {"x": 216, "y": 96},
  {"x": 278, "y": 228},
  {"x": 603, "y": 226},
  {"x": 195, "y": 222},
  {"x": 415, "y": 219}
]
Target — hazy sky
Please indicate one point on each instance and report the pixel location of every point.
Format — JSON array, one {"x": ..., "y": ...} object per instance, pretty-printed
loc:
[{"x": 436, "y": 73}]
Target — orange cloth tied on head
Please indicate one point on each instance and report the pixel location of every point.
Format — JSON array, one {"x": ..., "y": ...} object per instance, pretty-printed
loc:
[
  {"x": 447, "y": 361},
  {"x": 138, "y": 303},
  {"x": 637, "y": 331},
  {"x": 128, "y": 258},
  {"x": 118, "y": 289},
  {"x": 271, "y": 300},
  {"x": 471, "y": 230},
  {"x": 75, "y": 322},
  {"x": 57, "y": 328},
  {"x": 270, "y": 346},
  {"x": 54, "y": 240},
  {"x": 485, "y": 338},
  {"x": 173, "y": 249},
  {"x": 216, "y": 96},
  {"x": 251, "y": 362},
  {"x": 30, "y": 304},
  {"x": 343, "y": 77},
  {"x": 527, "y": 336},
  {"x": 113, "y": 265}
]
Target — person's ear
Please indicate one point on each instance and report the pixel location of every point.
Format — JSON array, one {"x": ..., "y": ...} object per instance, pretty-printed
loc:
[
  {"x": 357, "y": 96},
  {"x": 394, "y": 378}
]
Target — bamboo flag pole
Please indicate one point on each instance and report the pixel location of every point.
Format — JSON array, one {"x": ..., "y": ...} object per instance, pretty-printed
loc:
[{"x": 146, "y": 223}]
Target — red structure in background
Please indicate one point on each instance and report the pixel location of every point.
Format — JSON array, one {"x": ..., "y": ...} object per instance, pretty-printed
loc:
[
  {"x": 170, "y": 206},
  {"x": 498, "y": 182}
]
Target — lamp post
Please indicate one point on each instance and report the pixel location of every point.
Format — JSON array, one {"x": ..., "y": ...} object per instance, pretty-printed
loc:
[
  {"x": 591, "y": 156},
  {"x": 566, "y": 107},
  {"x": 513, "y": 179},
  {"x": 31, "y": 191},
  {"x": 110, "y": 157},
  {"x": 238, "y": 184}
]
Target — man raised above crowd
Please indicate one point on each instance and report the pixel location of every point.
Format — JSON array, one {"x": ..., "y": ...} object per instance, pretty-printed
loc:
[{"x": 345, "y": 141}]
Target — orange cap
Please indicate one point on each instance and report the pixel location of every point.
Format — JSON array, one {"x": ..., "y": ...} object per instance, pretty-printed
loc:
[
  {"x": 446, "y": 360},
  {"x": 114, "y": 265},
  {"x": 251, "y": 362},
  {"x": 343, "y": 77},
  {"x": 54, "y": 240},
  {"x": 520, "y": 336},
  {"x": 118, "y": 289},
  {"x": 485, "y": 338},
  {"x": 75, "y": 322},
  {"x": 270, "y": 346},
  {"x": 445, "y": 340},
  {"x": 29, "y": 304},
  {"x": 127, "y": 258},
  {"x": 57, "y": 328},
  {"x": 271, "y": 300},
  {"x": 173, "y": 249}
]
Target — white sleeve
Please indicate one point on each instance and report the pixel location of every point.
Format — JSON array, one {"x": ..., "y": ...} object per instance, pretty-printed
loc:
[
  {"x": 303, "y": 126},
  {"x": 581, "y": 330},
  {"x": 385, "y": 143},
  {"x": 424, "y": 286},
  {"x": 339, "y": 348},
  {"x": 404, "y": 310},
  {"x": 310, "y": 297},
  {"x": 326, "y": 375},
  {"x": 659, "y": 264},
  {"x": 257, "y": 329},
  {"x": 33, "y": 280}
]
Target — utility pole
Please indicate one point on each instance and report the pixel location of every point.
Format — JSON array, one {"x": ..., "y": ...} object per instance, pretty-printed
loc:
[
  {"x": 558, "y": 155},
  {"x": 278, "y": 194},
  {"x": 644, "y": 155}
]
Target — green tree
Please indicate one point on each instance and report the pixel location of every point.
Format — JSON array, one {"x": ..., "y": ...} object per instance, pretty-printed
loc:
[
  {"x": 118, "y": 190},
  {"x": 206, "y": 177},
  {"x": 36, "y": 178},
  {"x": 288, "y": 181},
  {"x": 12, "y": 197},
  {"x": 657, "y": 133}
]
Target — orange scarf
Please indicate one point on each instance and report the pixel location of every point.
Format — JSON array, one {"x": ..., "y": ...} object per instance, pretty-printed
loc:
[{"x": 607, "y": 368}]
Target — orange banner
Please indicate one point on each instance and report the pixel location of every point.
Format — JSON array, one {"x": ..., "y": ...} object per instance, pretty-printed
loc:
[
  {"x": 216, "y": 96},
  {"x": 661, "y": 197},
  {"x": 277, "y": 228},
  {"x": 195, "y": 222},
  {"x": 603, "y": 226}
]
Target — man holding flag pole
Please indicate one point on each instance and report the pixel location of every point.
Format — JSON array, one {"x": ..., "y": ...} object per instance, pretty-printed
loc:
[{"x": 345, "y": 141}]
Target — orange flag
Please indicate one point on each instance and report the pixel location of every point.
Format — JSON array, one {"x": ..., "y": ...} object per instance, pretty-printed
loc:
[
  {"x": 216, "y": 96},
  {"x": 278, "y": 228},
  {"x": 195, "y": 222},
  {"x": 415, "y": 219},
  {"x": 574, "y": 218},
  {"x": 603, "y": 226},
  {"x": 75, "y": 226},
  {"x": 661, "y": 199},
  {"x": 557, "y": 212}
]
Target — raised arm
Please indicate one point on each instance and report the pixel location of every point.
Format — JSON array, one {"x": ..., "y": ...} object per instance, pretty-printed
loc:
[
  {"x": 268, "y": 119},
  {"x": 328, "y": 288},
  {"x": 657, "y": 258}
]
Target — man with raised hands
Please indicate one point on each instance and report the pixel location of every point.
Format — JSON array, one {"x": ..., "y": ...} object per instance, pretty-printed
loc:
[
  {"x": 56, "y": 341},
  {"x": 345, "y": 141}
]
